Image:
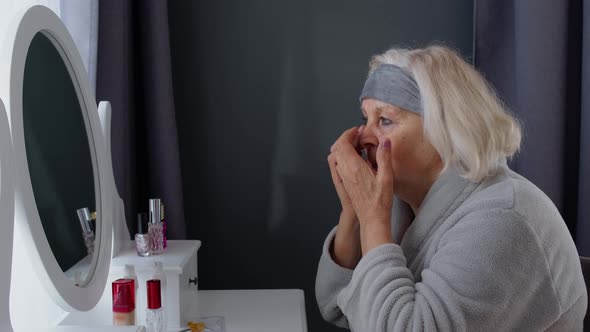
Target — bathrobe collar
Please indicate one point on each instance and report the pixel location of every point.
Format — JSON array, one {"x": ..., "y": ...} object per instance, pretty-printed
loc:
[{"x": 446, "y": 194}]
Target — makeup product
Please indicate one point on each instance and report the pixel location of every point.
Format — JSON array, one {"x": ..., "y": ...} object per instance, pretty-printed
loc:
[
  {"x": 142, "y": 238},
  {"x": 123, "y": 292},
  {"x": 85, "y": 218},
  {"x": 163, "y": 220},
  {"x": 159, "y": 274},
  {"x": 155, "y": 227},
  {"x": 129, "y": 273},
  {"x": 155, "y": 318}
]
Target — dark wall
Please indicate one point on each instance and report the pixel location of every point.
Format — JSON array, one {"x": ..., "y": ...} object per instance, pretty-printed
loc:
[{"x": 262, "y": 90}]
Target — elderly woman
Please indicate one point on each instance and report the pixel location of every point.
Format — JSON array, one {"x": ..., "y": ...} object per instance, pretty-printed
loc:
[{"x": 436, "y": 232}]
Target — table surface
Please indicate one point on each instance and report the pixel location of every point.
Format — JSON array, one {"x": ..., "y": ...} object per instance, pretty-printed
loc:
[
  {"x": 271, "y": 310},
  {"x": 257, "y": 310}
]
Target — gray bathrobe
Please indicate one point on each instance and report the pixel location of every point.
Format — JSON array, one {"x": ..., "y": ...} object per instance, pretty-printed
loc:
[{"x": 489, "y": 256}]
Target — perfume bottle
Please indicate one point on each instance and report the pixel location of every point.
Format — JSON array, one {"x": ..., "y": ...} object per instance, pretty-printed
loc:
[
  {"x": 163, "y": 226},
  {"x": 155, "y": 227},
  {"x": 142, "y": 238},
  {"x": 155, "y": 317},
  {"x": 129, "y": 273},
  {"x": 85, "y": 218},
  {"x": 159, "y": 274},
  {"x": 123, "y": 292}
]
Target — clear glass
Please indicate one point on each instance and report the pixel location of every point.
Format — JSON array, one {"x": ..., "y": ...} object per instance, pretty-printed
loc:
[
  {"x": 129, "y": 273},
  {"x": 163, "y": 220},
  {"x": 142, "y": 244},
  {"x": 155, "y": 320},
  {"x": 156, "y": 238},
  {"x": 165, "y": 238},
  {"x": 161, "y": 275}
]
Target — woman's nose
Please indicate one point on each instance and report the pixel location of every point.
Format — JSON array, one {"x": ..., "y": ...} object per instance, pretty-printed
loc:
[{"x": 368, "y": 138}]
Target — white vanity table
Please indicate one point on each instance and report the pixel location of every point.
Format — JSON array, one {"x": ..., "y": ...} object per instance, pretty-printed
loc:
[
  {"x": 43, "y": 294},
  {"x": 273, "y": 310},
  {"x": 243, "y": 310}
]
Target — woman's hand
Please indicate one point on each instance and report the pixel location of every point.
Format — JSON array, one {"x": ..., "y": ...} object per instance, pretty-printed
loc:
[
  {"x": 352, "y": 136},
  {"x": 370, "y": 191},
  {"x": 346, "y": 247}
]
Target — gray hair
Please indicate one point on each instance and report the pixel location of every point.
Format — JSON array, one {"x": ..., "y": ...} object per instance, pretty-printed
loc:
[{"x": 464, "y": 120}]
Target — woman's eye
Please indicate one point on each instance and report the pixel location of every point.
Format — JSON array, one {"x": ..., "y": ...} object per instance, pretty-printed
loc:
[{"x": 385, "y": 122}]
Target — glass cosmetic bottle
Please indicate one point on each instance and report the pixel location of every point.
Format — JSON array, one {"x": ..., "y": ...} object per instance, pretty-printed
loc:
[
  {"x": 155, "y": 318},
  {"x": 142, "y": 239},
  {"x": 85, "y": 218},
  {"x": 129, "y": 273},
  {"x": 163, "y": 220},
  {"x": 123, "y": 291},
  {"x": 159, "y": 274},
  {"x": 155, "y": 231}
]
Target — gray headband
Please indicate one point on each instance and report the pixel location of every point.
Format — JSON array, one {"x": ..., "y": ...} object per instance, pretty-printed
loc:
[{"x": 391, "y": 84}]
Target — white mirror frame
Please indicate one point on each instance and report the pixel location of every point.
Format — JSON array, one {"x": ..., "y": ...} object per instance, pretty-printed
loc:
[
  {"x": 6, "y": 217},
  {"x": 121, "y": 238},
  {"x": 28, "y": 230}
]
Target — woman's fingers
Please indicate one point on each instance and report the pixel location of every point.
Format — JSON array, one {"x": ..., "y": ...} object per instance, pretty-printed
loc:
[
  {"x": 350, "y": 164},
  {"x": 332, "y": 163},
  {"x": 345, "y": 200},
  {"x": 349, "y": 138},
  {"x": 384, "y": 168}
]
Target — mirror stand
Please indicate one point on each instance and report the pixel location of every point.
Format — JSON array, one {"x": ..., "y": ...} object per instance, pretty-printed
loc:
[
  {"x": 121, "y": 236},
  {"x": 6, "y": 218}
]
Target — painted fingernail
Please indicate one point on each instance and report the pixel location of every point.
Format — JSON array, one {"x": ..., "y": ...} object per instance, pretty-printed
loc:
[{"x": 387, "y": 143}]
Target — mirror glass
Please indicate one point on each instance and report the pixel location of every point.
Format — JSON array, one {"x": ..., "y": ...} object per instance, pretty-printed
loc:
[{"x": 59, "y": 158}]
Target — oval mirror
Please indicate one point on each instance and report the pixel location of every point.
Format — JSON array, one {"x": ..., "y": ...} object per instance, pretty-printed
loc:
[
  {"x": 59, "y": 153},
  {"x": 63, "y": 197}
]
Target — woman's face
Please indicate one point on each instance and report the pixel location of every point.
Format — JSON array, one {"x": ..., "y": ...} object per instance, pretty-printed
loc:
[{"x": 414, "y": 160}]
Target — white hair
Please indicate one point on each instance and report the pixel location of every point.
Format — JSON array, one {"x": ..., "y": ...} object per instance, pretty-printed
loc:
[{"x": 463, "y": 118}]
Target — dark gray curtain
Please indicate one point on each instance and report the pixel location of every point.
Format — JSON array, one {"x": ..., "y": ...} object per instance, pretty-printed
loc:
[
  {"x": 535, "y": 52},
  {"x": 134, "y": 74}
]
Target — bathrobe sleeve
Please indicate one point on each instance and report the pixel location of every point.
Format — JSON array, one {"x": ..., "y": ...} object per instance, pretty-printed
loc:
[{"x": 331, "y": 278}]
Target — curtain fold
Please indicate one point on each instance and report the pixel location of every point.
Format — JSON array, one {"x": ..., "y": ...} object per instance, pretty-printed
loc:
[
  {"x": 532, "y": 53},
  {"x": 134, "y": 74},
  {"x": 583, "y": 222}
]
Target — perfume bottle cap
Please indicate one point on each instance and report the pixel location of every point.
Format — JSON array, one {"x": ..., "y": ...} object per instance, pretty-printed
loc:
[
  {"x": 155, "y": 205},
  {"x": 123, "y": 295},
  {"x": 129, "y": 271},
  {"x": 142, "y": 223},
  {"x": 85, "y": 218},
  {"x": 154, "y": 296}
]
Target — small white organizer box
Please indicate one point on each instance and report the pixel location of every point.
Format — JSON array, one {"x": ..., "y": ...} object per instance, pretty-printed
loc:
[
  {"x": 180, "y": 266},
  {"x": 179, "y": 260}
]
